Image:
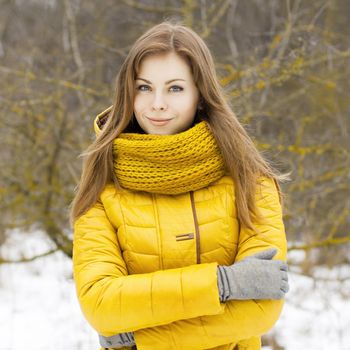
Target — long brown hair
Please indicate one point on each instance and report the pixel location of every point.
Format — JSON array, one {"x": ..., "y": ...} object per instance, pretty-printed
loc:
[{"x": 242, "y": 159}]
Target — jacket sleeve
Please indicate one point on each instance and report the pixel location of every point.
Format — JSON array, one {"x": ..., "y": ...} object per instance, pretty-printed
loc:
[
  {"x": 241, "y": 319},
  {"x": 114, "y": 302}
]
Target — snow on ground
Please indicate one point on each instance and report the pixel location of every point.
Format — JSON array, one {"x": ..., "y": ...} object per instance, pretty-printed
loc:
[{"x": 39, "y": 308}]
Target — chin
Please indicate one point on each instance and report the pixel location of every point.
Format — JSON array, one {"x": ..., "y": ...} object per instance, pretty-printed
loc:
[
  {"x": 161, "y": 132},
  {"x": 149, "y": 129},
  {"x": 166, "y": 130}
]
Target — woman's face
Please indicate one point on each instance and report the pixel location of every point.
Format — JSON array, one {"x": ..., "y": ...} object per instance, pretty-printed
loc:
[{"x": 166, "y": 96}]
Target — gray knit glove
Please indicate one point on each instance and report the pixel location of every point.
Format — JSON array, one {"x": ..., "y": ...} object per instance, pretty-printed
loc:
[
  {"x": 255, "y": 277},
  {"x": 117, "y": 340}
]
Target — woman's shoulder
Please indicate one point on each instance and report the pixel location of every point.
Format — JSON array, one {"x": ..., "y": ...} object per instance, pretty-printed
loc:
[
  {"x": 110, "y": 190},
  {"x": 224, "y": 180},
  {"x": 263, "y": 183}
]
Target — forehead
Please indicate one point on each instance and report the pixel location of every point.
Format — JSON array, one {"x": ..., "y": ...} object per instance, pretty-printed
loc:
[{"x": 166, "y": 65}]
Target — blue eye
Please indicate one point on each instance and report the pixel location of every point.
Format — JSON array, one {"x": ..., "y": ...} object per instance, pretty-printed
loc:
[
  {"x": 140, "y": 86},
  {"x": 177, "y": 88}
]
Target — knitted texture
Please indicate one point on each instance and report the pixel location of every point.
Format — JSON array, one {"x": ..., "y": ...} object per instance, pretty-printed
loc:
[{"x": 168, "y": 164}]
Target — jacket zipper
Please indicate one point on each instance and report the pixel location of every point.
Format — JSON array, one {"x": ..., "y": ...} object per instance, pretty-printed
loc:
[{"x": 196, "y": 227}]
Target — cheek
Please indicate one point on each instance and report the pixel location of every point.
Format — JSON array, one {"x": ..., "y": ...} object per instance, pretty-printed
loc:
[
  {"x": 138, "y": 103},
  {"x": 189, "y": 103},
  {"x": 190, "y": 99}
]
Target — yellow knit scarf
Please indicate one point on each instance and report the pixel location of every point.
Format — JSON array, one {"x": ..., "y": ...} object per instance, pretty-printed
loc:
[{"x": 168, "y": 164}]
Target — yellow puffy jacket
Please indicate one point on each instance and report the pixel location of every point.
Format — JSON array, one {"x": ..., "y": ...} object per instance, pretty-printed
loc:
[{"x": 147, "y": 263}]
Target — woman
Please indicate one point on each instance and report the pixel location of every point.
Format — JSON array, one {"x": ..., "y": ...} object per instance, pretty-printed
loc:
[{"x": 179, "y": 241}]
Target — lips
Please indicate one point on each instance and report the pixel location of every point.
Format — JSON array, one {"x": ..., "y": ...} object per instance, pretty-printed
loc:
[{"x": 159, "y": 122}]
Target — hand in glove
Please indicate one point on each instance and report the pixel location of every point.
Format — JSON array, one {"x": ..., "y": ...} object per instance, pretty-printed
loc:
[
  {"x": 117, "y": 340},
  {"x": 255, "y": 277}
]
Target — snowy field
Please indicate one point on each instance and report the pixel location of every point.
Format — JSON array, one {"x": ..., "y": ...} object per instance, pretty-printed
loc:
[{"x": 39, "y": 309}]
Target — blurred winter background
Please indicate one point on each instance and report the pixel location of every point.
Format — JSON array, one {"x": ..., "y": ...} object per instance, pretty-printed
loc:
[{"x": 285, "y": 64}]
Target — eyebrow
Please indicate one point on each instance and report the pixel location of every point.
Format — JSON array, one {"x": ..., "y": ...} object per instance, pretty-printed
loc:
[{"x": 167, "y": 82}]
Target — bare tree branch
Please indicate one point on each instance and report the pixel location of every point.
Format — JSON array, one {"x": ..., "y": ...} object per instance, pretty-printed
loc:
[{"x": 25, "y": 260}]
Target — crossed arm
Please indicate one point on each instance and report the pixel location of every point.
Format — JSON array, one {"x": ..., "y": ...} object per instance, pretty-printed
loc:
[{"x": 175, "y": 308}]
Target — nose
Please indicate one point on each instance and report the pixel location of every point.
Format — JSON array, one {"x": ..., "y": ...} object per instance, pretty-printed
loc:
[{"x": 159, "y": 102}]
